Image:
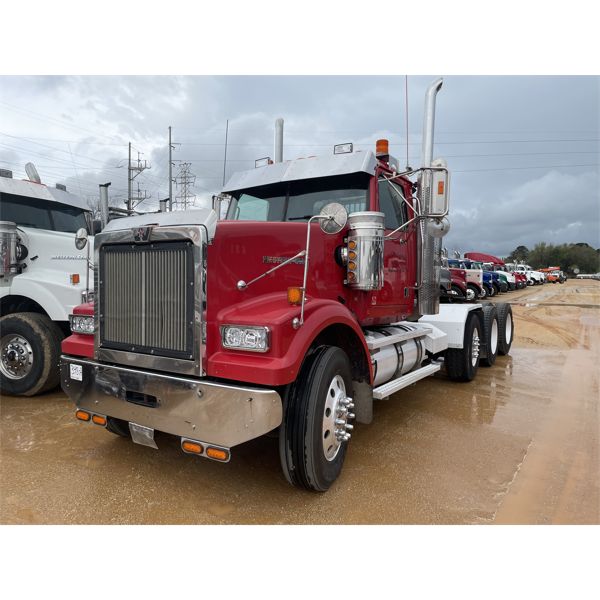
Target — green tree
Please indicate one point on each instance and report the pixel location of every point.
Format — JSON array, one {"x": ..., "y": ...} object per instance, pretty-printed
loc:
[{"x": 518, "y": 254}]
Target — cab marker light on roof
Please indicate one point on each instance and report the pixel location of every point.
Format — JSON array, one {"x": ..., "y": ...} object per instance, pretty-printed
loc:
[{"x": 343, "y": 148}]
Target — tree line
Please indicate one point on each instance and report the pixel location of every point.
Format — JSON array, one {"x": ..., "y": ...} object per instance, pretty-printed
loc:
[{"x": 571, "y": 258}]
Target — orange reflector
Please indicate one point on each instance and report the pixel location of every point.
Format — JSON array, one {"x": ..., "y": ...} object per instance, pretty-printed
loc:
[
  {"x": 82, "y": 415},
  {"x": 352, "y": 245},
  {"x": 382, "y": 147},
  {"x": 352, "y": 266},
  {"x": 294, "y": 295},
  {"x": 352, "y": 255},
  {"x": 74, "y": 277},
  {"x": 193, "y": 447},
  {"x": 99, "y": 420},
  {"x": 217, "y": 453},
  {"x": 440, "y": 188}
]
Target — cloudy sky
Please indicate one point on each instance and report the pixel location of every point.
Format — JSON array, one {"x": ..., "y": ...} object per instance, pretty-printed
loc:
[{"x": 523, "y": 151}]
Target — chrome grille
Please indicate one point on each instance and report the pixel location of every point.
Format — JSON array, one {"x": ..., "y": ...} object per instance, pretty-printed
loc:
[{"x": 147, "y": 298}]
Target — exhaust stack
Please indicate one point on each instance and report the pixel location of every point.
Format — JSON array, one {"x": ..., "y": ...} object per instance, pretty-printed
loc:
[
  {"x": 32, "y": 173},
  {"x": 430, "y": 251},
  {"x": 104, "y": 203},
  {"x": 278, "y": 152}
]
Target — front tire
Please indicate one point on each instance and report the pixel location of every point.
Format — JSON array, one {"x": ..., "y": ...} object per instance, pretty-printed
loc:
[
  {"x": 29, "y": 354},
  {"x": 313, "y": 436},
  {"x": 472, "y": 292},
  {"x": 458, "y": 293}
]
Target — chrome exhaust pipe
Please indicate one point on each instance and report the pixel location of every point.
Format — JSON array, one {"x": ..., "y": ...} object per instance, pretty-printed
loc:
[
  {"x": 278, "y": 151},
  {"x": 429, "y": 122},
  {"x": 104, "y": 204}
]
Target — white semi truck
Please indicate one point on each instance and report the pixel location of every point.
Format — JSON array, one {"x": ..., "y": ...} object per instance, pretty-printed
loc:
[{"x": 42, "y": 278}]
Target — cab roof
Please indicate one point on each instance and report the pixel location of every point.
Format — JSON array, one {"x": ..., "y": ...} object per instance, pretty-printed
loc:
[
  {"x": 303, "y": 168},
  {"x": 29, "y": 189}
]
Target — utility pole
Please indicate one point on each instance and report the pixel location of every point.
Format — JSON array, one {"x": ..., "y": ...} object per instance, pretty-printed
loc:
[
  {"x": 170, "y": 172},
  {"x": 186, "y": 180},
  {"x": 225, "y": 158},
  {"x": 132, "y": 172}
]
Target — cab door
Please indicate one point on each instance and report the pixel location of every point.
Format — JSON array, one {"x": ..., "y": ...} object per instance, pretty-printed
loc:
[{"x": 397, "y": 295}]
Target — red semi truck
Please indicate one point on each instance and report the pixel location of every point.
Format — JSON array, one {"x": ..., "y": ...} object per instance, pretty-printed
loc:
[{"x": 317, "y": 294}]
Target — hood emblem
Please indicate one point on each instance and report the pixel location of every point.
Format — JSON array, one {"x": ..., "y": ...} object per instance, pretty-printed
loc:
[{"x": 141, "y": 234}]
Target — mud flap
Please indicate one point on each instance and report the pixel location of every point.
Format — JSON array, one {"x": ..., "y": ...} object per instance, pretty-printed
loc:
[{"x": 142, "y": 435}]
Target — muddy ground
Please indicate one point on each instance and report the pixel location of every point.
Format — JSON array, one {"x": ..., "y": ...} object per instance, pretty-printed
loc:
[{"x": 517, "y": 445}]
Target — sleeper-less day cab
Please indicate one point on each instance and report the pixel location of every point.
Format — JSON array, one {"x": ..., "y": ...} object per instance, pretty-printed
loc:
[{"x": 317, "y": 294}]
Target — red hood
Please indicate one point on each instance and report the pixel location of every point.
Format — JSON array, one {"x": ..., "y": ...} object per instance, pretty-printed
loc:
[{"x": 480, "y": 257}]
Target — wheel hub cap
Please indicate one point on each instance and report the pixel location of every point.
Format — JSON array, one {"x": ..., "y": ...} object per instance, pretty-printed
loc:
[
  {"x": 336, "y": 417},
  {"x": 16, "y": 358}
]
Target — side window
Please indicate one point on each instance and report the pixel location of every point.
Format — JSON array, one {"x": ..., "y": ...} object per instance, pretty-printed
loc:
[{"x": 392, "y": 204}]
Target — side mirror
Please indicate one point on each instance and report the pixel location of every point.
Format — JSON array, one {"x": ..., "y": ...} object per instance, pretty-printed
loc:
[
  {"x": 81, "y": 238},
  {"x": 96, "y": 226},
  {"x": 335, "y": 218}
]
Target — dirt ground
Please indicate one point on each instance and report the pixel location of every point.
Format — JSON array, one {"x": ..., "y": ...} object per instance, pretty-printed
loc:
[{"x": 517, "y": 445}]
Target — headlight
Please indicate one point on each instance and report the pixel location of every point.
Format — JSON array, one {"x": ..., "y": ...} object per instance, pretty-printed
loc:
[
  {"x": 82, "y": 324},
  {"x": 241, "y": 337}
]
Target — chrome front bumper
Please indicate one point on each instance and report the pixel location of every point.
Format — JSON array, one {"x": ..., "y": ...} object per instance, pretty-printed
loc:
[{"x": 215, "y": 413}]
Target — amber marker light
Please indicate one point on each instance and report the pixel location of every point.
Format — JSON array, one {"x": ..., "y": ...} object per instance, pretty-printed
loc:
[
  {"x": 99, "y": 420},
  {"x": 192, "y": 447},
  {"x": 382, "y": 147},
  {"x": 440, "y": 188},
  {"x": 352, "y": 266},
  {"x": 74, "y": 277},
  {"x": 217, "y": 454},
  {"x": 82, "y": 415},
  {"x": 351, "y": 255},
  {"x": 352, "y": 245},
  {"x": 294, "y": 295}
]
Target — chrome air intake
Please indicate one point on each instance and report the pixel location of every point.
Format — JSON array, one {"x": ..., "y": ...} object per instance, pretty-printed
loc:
[
  {"x": 364, "y": 268},
  {"x": 395, "y": 360}
]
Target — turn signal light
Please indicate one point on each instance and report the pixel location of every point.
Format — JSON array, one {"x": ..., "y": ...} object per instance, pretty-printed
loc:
[
  {"x": 99, "y": 420},
  {"x": 192, "y": 447},
  {"x": 294, "y": 295},
  {"x": 217, "y": 454},
  {"x": 82, "y": 415}
]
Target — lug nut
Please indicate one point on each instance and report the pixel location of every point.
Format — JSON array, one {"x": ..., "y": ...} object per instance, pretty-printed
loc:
[
  {"x": 349, "y": 427},
  {"x": 340, "y": 422}
]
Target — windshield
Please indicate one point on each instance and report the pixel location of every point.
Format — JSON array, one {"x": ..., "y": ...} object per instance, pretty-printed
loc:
[
  {"x": 299, "y": 200},
  {"x": 41, "y": 214}
]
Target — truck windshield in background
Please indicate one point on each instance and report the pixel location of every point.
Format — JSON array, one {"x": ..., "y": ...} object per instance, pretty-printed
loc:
[
  {"x": 42, "y": 214},
  {"x": 299, "y": 200}
]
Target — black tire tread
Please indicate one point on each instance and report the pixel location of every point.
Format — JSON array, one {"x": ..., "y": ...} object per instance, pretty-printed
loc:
[
  {"x": 489, "y": 314},
  {"x": 504, "y": 309}
]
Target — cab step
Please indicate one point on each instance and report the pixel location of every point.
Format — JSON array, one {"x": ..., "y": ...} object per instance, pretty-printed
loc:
[{"x": 389, "y": 388}]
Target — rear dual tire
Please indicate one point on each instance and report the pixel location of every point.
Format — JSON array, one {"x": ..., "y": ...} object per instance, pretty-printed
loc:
[
  {"x": 491, "y": 330},
  {"x": 462, "y": 364},
  {"x": 506, "y": 329}
]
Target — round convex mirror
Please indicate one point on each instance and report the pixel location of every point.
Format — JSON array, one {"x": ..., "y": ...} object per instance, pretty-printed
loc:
[
  {"x": 81, "y": 238},
  {"x": 337, "y": 217}
]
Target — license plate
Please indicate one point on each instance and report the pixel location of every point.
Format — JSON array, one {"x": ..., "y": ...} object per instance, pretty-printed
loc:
[
  {"x": 76, "y": 372},
  {"x": 142, "y": 435}
]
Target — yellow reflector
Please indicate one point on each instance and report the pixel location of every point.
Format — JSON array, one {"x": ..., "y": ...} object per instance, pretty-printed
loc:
[
  {"x": 99, "y": 420},
  {"x": 217, "y": 454},
  {"x": 352, "y": 266},
  {"x": 82, "y": 415},
  {"x": 193, "y": 447},
  {"x": 440, "y": 188},
  {"x": 352, "y": 245},
  {"x": 382, "y": 147},
  {"x": 74, "y": 277},
  {"x": 352, "y": 255},
  {"x": 294, "y": 295}
]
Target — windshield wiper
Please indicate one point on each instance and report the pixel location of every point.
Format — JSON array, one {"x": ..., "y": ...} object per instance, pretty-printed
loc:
[{"x": 299, "y": 218}]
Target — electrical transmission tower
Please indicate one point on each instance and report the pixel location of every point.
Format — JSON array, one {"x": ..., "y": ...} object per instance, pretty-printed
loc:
[
  {"x": 185, "y": 181},
  {"x": 133, "y": 170}
]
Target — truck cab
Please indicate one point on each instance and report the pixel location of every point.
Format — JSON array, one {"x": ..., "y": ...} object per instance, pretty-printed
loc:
[
  {"x": 474, "y": 278},
  {"x": 42, "y": 278}
]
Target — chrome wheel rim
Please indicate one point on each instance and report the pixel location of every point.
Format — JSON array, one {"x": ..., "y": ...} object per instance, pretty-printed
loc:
[
  {"x": 494, "y": 337},
  {"x": 336, "y": 414},
  {"x": 508, "y": 328},
  {"x": 16, "y": 356},
  {"x": 475, "y": 343},
  {"x": 470, "y": 294}
]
